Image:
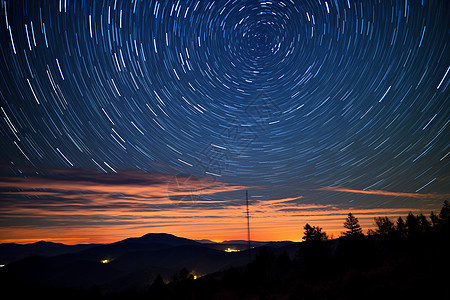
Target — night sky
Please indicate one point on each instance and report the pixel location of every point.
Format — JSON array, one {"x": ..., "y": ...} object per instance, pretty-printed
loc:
[{"x": 120, "y": 118}]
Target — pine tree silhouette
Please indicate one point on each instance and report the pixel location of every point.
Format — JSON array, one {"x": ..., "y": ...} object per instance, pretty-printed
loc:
[
  {"x": 444, "y": 217},
  {"x": 314, "y": 233},
  {"x": 434, "y": 221},
  {"x": 424, "y": 224},
  {"x": 412, "y": 225},
  {"x": 385, "y": 226},
  {"x": 400, "y": 228},
  {"x": 353, "y": 227}
]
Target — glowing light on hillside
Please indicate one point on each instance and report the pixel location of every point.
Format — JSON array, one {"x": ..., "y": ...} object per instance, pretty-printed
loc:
[{"x": 232, "y": 250}]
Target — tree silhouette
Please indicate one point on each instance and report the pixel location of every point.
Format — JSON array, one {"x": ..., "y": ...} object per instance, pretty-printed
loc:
[
  {"x": 385, "y": 226},
  {"x": 444, "y": 216},
  {"x": 445, "y": 211},
  {"x": 353, "y": 227},
  {"x": 424, "y": 224},
  {"x": 412, "y": 225},
  {"x": 158, "y": 282},
  {"x": 158, "y": 289},
  {"x": 434, "y": 221},
  {"x": 400, "y": 228},
  {"x": 312, "y": 253},
  {"x": 314, "y": 233},
  {"x": 182, "y": 275}
]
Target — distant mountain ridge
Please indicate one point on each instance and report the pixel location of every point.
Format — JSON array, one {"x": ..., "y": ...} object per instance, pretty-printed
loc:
[
  {"x": 10, "y": 252},
  {"x": 161, "y": 238},
  {"x": 127, "y": 264}
]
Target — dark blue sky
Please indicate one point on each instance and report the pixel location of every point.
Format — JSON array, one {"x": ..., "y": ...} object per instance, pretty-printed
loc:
[{"x": 318, "y": 101}]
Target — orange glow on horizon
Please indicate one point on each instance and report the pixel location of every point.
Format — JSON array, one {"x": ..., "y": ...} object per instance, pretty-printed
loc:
[
  {"x": 96, "y": 212},
  {"x": 270, "y": 225}
]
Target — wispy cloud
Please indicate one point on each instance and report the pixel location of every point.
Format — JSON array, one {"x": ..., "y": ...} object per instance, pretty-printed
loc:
[
  {"x": 76, "y": 206},
  {"x": 90, "y": 190},
  {"x": 387, "y": 193}
]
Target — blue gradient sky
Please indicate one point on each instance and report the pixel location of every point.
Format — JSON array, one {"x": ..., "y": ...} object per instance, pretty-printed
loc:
[{"x": 157, "y": 116}]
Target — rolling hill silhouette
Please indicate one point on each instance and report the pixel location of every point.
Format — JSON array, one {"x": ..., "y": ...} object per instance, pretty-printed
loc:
[
  {"x": 124, "y": 265},
  {"x": 10, "y": 252}
]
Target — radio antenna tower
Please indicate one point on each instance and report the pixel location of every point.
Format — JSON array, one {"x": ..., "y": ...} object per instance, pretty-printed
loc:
[{"x": 248, "y": 221}]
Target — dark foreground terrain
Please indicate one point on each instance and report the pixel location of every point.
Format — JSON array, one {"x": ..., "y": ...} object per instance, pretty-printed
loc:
[
  {"x": 405, "y": 260},
  {"x": 367, "y": 268}
]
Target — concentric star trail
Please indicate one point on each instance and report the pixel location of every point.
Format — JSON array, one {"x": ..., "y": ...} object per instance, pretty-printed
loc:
[{"x": 287, "y": 96}]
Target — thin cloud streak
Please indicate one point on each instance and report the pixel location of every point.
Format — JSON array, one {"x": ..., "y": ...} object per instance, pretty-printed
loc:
[
  {"x": 386, "y": 193},
  {"x": 85, "y": 206}
]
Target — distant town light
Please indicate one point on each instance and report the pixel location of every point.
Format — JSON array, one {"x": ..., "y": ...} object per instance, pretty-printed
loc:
[
  {"x": 232, "y": 250},
  {"x": 1, "y": 266},
  {"x": 104, "y": 261}
]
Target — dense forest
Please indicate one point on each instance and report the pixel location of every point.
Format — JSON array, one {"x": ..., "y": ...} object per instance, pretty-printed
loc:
[{"x": 406, "y": 258}]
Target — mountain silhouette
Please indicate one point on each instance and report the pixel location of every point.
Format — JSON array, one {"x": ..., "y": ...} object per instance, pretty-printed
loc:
[
  {"x": 127, "y": 264},
  {"x": 10, "y": 252}
]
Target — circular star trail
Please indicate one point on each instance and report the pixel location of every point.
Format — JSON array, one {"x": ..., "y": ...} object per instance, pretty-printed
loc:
[{"x": 264, "y": 93}]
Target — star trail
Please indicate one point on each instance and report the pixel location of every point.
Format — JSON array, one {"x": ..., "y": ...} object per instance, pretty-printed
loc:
[{"x": 148, "y": 114}]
